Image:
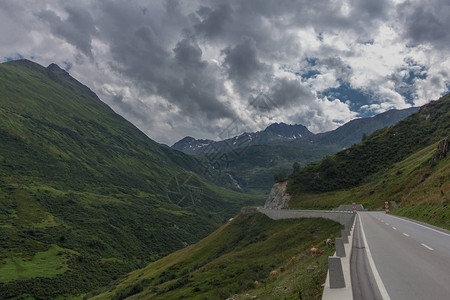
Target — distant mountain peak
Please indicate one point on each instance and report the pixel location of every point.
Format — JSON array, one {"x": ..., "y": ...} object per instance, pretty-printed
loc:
[
  {"x": 54, "y": 67},
  {"x": 274, "y": 134},
  {"x": 296, "y": 134},
  {"x": 288, "y": 131},
  {"x": 190, "y": 145},
  {"x": 187, "y": 139}
]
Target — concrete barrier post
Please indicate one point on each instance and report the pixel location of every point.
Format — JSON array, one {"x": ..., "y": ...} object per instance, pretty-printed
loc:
[
  {"x": 344, "y": 236},
  {"x": 336, "y": 272},
  {"x": 348, "y": 226},
  {"x": 340, "y": 250}
]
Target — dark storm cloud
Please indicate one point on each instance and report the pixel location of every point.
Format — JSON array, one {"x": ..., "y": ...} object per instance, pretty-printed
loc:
[
  {"x": 77, "y": 29},
  {"x": 371, "y": 9},
  {"x": 426, "y": 22},
  {"x": 189, "y": 54},
  {"x": 287, "y": 93},
  {"x": 324, "y": 15},
  {"x": 242, "y": 64},
  {"x": 211, "y": 22},
  {"x": 178, "y": 75},
  {"x": 197, "y": 63}
]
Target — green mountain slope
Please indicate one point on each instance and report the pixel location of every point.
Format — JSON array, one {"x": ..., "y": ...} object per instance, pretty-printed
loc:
[
  {"x": 350, "y": 133},
  {"x": 419, "y": 186},
  {"x": 48, "y": 120},
  {"x": 252, "y": 166},
  {"x": 252, "y": 169},
  {"x": 83, "y": 193},
  {"x": 408, "y": 163},
  {"x": 228, "y": 262},
  {"x": 380, "y": 151}
]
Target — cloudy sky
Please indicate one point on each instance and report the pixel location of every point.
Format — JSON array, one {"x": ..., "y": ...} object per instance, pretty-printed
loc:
[{"x": 177, "y": 68}]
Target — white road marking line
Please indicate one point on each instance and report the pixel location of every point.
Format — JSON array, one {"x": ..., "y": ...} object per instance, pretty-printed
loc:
[
  {"x": 383, "y": 292},
  {"x": 405, "y": 234},
  {"x": 387, "y": 223},
  {"x": 394, "y": 228},
  {"x": 426, "y": 246},
  {"x": 421, "y": 225}
]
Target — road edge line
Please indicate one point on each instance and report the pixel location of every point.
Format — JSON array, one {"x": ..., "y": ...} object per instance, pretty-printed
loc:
[
  {"x": 379, "y": 282},
  {"x": 427, "y": 227}
]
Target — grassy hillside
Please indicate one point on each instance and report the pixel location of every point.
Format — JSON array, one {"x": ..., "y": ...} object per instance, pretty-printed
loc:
[
  {"x": 229, "y": 261},
  {"x": 53, "y": 129},
  {"x": 385, "y": 147},
  {"x": 252, "y": 167},
  {"x": 402, "y": 163},
  {"x": 84, "y": 194},
  {"x": 420, "y": 188}
]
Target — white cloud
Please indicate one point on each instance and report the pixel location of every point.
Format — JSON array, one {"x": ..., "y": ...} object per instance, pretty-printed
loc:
[{"x": 177, "y": 68}]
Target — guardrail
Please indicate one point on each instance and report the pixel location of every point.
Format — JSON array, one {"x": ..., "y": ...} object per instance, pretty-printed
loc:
[
  {"x": 341, "y": 217},
  {"x": 338, "y": 284}
]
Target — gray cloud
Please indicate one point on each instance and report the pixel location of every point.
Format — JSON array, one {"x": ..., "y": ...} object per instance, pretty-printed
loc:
[
  {"x": 77, "y": 29},
  {"x": 343, "y": 71},
  {"x": 426, "y": 22},
  {"x": 189, "y": 67},
  {"x": 189, "y": 54},
  {"x": 287, "y": 93},
  {"x": 371, "y": 9},
  {"x": 212, "y": 22},
  {"x": 242, "y": 64}
]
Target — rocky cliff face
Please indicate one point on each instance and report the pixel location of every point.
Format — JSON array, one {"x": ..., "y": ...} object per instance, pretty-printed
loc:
[{"x": 278, "y": 197}]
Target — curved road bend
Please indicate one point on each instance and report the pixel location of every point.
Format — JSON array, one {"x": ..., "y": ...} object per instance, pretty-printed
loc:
[{"x": 412, "y": 260}]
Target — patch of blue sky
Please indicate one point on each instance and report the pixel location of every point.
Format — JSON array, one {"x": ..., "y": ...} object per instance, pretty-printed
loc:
[
  {"x": 15, "y": 57},
  {"x": 405, "y": 85},
  {"x": 354, "y": 97},
  {"x": 305, "y": 73},
  {"x": 67, "y": 66}
]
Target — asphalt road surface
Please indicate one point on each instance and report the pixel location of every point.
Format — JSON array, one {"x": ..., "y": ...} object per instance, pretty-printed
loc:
[{"x": 409, "y": 260}]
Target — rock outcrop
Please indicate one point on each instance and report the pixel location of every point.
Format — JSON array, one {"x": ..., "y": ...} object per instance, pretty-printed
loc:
[
  {"x": 278, "y": 197},
  {"x": 442, "y": 151}
]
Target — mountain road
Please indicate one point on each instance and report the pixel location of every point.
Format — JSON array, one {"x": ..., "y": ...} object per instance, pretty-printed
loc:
[{"x": 409, "y": 260}]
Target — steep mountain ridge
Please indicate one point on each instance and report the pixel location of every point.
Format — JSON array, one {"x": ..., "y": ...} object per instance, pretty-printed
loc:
[
  {"x": 82, "y": 186},
  {"x": 378, "y": 152},
  {"x": 351, "y": 133},
  {"x": 414, "y": 173},
  {"x": 278, "y": 134},
  {"x": 417, "y": 187},
  {"x": 189, "y": 145},
  {"x": 251, "y": 159},
  {"x": 275, "y": 134},
  {"x": 292, "y": 132}
]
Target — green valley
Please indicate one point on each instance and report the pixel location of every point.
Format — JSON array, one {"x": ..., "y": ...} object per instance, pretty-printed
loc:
[
  {"x": 91, "y": 207},
  {"x": 229, "y": 261},
  {"x": 407, "y": 163},
  {"x": 83, "y": 193}
]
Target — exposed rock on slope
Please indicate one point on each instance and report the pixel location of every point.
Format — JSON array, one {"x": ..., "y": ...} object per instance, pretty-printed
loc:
[
  {"x": 278, "y": 197},
  {"x": 442, "y": 150}
]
